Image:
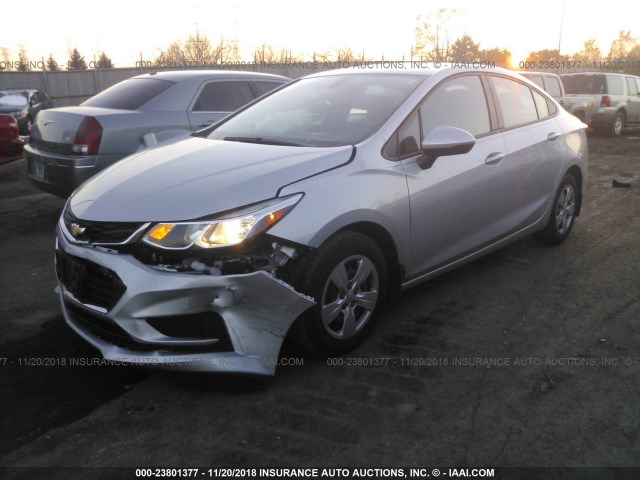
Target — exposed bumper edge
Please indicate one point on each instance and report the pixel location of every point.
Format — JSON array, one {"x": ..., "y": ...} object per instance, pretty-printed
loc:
[{"x": 257, "y": 310}]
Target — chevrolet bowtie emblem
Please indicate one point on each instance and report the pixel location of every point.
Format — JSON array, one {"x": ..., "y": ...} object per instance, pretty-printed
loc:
[{"x": 77, "y": 229}]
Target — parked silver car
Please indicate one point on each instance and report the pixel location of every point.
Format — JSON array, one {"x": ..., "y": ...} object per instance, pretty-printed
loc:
[
  {"x": 70, "y": 144},
  {"x": 616, "y": 98},
  {"x": 304, "y": 210}
]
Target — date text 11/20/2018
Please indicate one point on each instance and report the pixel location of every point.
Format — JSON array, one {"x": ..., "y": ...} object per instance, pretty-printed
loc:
[{"x": 577, "y": 64}]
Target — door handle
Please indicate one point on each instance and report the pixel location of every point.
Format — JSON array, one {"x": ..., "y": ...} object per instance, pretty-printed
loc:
[
  {"x": 205, "y": 124},
  {"x": 553, "y": 136},
  {"x": 494, "y": 158}
]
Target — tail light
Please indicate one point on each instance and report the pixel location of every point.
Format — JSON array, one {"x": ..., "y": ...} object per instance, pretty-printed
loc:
[
  {"x": 88, "y": 137},
  {"x": 605, "y": 101},
  {"x": 8, "y": 128}
]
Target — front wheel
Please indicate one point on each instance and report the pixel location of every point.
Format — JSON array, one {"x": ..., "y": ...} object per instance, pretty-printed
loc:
[
  {"x": 347, "y": 277},
  {"x": 562, "y": 214}
]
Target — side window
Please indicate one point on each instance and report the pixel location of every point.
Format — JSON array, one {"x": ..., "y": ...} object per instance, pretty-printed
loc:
[
  {"x": 458, "y": 102},
  {"x": 553, "y": 87},
  {"x": 614, "y": 85},
  {"x": 515, "y": 101},
  {"x": 633, "y": 88},
  {"x": 541, "y": 104},
  {"x": 406, "y": 140},
  {"x": 223, "y": 97},
  {"x": 260, "y": 88}
]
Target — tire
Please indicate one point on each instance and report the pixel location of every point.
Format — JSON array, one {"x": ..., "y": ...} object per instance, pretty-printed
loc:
[
  {"x": 617, "y": 124},
  {"x": 347, "y": 277},
  {"x": 562, "y": 214},
  {"x": 27, "y": 127}
]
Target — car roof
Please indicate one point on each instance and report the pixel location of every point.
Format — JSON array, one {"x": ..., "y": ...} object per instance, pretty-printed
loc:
[
  {"x": 181, "y": 75},
  {"x": 424, "y": 70},
  {"x": 542, "y": 74}
]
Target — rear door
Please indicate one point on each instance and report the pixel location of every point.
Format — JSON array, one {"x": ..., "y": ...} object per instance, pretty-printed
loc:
[
  {"x": 534, "y": 148},
  {"x": 633, "y": 102}
]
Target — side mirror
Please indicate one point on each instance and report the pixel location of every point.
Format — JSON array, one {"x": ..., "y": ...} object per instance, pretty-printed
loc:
[{"x": 444, "y": 141}]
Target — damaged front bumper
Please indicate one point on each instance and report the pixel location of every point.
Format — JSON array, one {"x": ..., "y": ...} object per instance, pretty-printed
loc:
[{"x": 134, "y": 313}]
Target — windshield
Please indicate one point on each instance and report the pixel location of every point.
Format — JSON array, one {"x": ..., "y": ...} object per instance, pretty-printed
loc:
[
  {"x": 321, "y": 111},
  {"x": 12, "y": 99}
]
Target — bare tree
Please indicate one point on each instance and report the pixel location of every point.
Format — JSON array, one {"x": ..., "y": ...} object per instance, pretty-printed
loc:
[
  {"x": 622, "y": 45},
  {"x": 344, "y": 54},
  {"x": 268, "y": 54},
  {"x": 432, "y": 37},
  {"x": 197, "y": 51}
]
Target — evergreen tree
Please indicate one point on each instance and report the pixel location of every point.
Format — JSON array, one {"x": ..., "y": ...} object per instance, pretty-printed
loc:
[{"x": 76, "y": 61}]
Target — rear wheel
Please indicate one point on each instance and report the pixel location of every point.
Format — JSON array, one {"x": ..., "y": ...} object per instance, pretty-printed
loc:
[
  {"x": 347, "y": 277},
  {"x": 617, "y": 124},
  {"x": 562, "y": 214}
]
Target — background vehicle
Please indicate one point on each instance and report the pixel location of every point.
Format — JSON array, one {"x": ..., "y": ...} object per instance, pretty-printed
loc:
[
  {"x": 306, "y": 208},
  {"x": 70, "y": 144},
  {"x": 24, "y": 105},
  {"x": 581, "y": 107},
  {"x": 616, "y": 98},
  {"x": 11, "y": 144}
]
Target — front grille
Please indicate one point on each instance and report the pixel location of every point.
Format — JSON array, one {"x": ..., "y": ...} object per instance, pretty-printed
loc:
[
  {"x": 89, "y": 283},
  {"x": 99, "y": 233},
  {"x": 111, "y": 332},
  {"x": 105, "y": 329}
]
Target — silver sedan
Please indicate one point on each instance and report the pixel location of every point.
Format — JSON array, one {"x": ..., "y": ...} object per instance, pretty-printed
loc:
[
  {"x": 299, "y": 214},
  {"x": 68, "y": 145}
]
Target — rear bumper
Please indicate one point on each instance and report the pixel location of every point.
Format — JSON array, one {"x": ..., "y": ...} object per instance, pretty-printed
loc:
[
  {"x": 603, "y": 117},
  {"x": 178, "y": 321},
  {"x": 11, "y": 150},
  {"x": 61, "y": 174}
]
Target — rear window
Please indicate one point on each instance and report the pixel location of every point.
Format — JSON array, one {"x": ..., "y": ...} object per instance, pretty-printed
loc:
[
  {"x": 130, "y": 94},
  {"x": 584, "y": 84},
  {"x": 615, "y": 85}
]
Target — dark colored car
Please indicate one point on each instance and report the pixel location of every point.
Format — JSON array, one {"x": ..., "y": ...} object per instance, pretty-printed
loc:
[
  {"x": 11, "y": 144},
  {"x": 24, "y": 105},
  {"x": 68, "y": 145}
]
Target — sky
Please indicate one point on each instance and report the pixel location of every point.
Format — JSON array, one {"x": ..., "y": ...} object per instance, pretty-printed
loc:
[{"x": 130, "y": 30}]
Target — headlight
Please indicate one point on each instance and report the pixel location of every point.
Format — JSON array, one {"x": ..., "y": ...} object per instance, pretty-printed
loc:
[
  {"x": 20, "y": 113},
  {"x": 223, "y": 231}
]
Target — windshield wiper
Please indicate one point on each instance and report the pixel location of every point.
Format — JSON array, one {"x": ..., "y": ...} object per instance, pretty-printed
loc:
[{"x": 266, "y": 141}]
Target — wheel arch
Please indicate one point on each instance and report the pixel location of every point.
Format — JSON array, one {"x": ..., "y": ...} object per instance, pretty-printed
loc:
[
  {"x": 388, "y": 248},
  {"x": 576, "y": 173}
]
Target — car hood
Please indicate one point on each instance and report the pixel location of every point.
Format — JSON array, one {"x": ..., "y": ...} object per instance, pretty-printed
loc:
[{"x": 197, "y": 177}]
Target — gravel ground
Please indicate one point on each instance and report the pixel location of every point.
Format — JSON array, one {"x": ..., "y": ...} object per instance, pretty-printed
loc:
[{"x": 528, "y": 357}]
